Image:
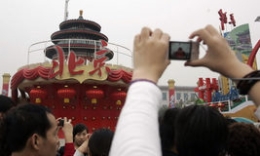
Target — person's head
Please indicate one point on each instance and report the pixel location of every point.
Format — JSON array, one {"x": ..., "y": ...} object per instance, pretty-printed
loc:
[
  {"x": 200, "y": 131},
  {"x": 100, "y": 142},
  {"x": 29, "y": 129},
  {"x": 243, "y": 140},
  {"x": 6, "y": 103},
  {"x": 167, "y": 128},
  {"x": 80, "y": 132}
]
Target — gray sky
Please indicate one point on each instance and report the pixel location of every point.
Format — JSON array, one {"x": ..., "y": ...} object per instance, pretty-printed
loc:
[{"x": 26, "y": 22}]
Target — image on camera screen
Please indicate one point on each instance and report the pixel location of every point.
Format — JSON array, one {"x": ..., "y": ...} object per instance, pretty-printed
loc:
[{"x": 179, "y": 50}]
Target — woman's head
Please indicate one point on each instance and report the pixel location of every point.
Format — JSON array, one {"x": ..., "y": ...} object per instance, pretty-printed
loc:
[
  {"x": 243, "y": 140},
  {"x": 100, "y": 142},
  {"x": 200, "y": 131}
]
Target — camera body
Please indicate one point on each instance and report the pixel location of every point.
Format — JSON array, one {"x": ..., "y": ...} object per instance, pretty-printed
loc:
[
  {"x": 179, "y": 50},
  {"x": 61, "y": 122}
]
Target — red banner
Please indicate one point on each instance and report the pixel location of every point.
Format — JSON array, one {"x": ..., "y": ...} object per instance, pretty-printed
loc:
[{"x": 5, "y": 89}]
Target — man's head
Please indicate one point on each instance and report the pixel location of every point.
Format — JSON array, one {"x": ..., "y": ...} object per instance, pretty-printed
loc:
[
  {"x": 80, "y": 132},
  {"x": 6, "y": 103},
  {"x": 200, "y": 131},
  {"x": 180, "y": 48},
  {"x": 29, "y": 129}
]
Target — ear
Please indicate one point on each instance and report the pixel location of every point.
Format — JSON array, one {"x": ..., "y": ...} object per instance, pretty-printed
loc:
[{"x": 36, "y": 141}]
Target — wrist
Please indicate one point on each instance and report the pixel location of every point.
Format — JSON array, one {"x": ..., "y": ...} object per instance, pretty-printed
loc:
[
  {"x": 245, "y": 84},
  {"x": 83, "y": 148},
  {"x": 239, "y": 70},
  {"x": 68, "y": 138},
  {"x": 138, "y": 75}
]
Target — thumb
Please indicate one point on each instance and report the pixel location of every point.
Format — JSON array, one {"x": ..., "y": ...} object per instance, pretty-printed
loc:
[{"x": 194, "y": 63}]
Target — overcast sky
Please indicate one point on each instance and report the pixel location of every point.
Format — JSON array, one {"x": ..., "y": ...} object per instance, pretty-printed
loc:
[{"x": 29, "y": 21}]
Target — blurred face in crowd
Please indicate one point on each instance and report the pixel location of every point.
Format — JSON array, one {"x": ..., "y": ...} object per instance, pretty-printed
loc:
[{"x": 80, "y": 138}]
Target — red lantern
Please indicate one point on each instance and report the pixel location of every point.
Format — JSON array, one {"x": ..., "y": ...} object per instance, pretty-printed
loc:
[
  {"x": 37, "y": 94},
  {"x": 119, "y": 96},
  {"x": 95, "y": 94},
  {"x": 66, "y": 93}
]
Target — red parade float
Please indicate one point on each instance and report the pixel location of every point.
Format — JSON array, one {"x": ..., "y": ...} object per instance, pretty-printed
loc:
[{"x": 75, "y": 81}]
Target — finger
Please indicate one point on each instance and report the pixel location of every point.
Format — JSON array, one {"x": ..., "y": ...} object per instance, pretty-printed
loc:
[
  {"x": 199, "y": 39},
  {"x": 168, "y": 62},
  {"x": 137, "y": 39},
  {"x": 202, "y": 34},
  {"x": 194, "y": 34},
  {"x": 211, "y": 30},
  {"x": 194, "y": 63},
  {"x": 69, "y": 120},
  {"x": 145, "y": 33},
  {"x": 166, "y": 37},
  {"x": 65, "y": 119},
  {"x": 157, "y": 33},
  {"x": 88, "y": 136}
]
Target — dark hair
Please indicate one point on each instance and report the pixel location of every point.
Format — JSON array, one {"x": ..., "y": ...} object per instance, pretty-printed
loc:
[
  {"x": 230, "y": 120},
  {"x": 244, "y": 140},
  {"x": 78, "y": 128},
  {"x": 200, "y": 131},
  {"x": 100, "y": 142},
  {"x": 5, "y": 103},
  {"x": 167, "y": 128},
  {"x": 19, "y": 124},
  {"x": 61, "y": 150}
]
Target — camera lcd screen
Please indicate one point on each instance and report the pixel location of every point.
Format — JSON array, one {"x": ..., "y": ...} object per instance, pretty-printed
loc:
[{"x": 179, "y": 50}]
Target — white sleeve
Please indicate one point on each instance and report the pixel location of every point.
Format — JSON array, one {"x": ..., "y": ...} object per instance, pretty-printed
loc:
[
  {"x": 78, "y": 153},
  {"x": 137, "y": 132}
]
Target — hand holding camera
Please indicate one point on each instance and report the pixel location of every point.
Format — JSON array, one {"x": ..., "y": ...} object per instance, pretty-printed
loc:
[{"x": 67, "y": 128}]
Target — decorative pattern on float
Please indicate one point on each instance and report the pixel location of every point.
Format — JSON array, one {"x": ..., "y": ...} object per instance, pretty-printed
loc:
[{"x": 43, "y": 72}]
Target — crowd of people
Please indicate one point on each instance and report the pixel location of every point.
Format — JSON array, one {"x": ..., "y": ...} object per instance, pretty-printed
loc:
[{"x": 196, "y": 130}]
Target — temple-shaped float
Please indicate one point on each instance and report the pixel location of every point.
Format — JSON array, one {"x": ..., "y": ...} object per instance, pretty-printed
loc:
[{"x": 76, "y": 80}]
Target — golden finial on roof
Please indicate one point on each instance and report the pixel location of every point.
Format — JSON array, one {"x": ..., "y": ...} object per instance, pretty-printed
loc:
[{"x": 80, "y": 14}]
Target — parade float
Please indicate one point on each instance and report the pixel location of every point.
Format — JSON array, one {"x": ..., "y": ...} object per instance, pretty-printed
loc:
[
  {"x": 77, "y": 78},
  {"x": 222, "y": 93}
]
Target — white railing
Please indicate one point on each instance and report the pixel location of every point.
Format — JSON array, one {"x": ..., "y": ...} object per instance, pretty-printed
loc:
[{"x": 37, "y": 51}]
